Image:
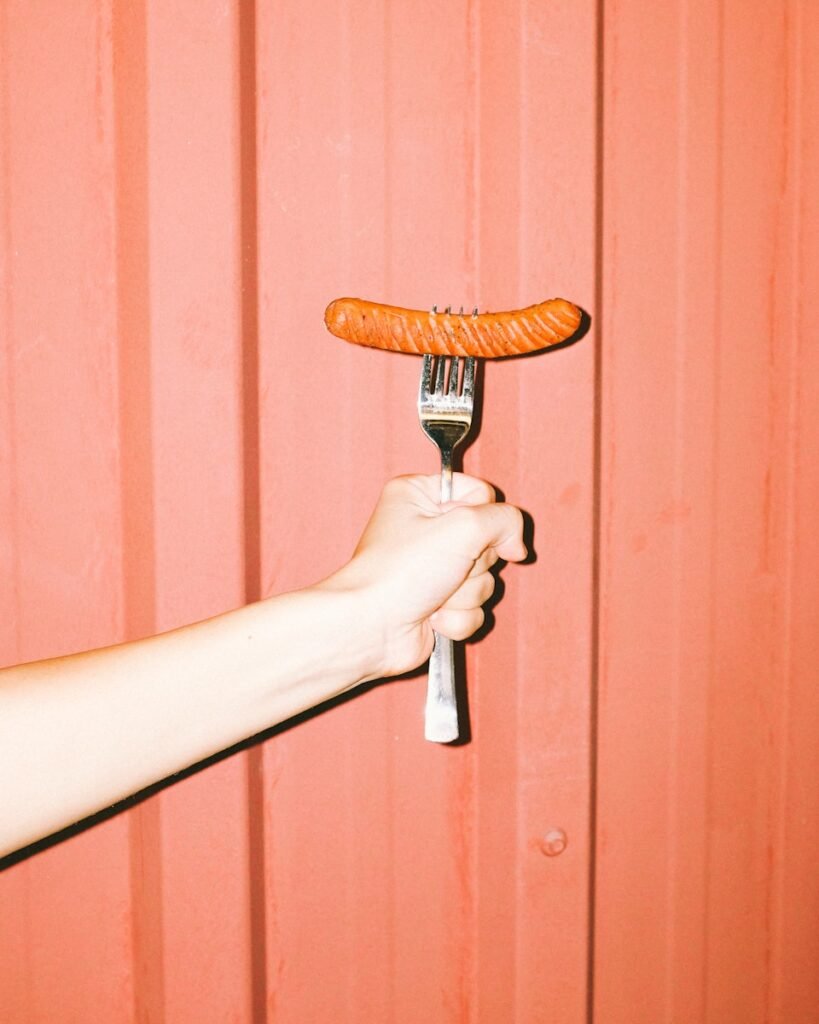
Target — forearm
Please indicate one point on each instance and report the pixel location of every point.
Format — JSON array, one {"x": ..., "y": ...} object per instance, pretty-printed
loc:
[{"x": 79, "y": 733}]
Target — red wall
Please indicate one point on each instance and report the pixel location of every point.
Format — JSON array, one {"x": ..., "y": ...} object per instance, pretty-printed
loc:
[{"x": 184, "y": 187}]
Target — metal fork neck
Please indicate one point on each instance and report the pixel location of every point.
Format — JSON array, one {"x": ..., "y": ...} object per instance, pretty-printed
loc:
[{"x": 446, "y": 475}]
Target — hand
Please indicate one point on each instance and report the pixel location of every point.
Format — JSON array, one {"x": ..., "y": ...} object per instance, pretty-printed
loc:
[{"x": 421, "y": 566}]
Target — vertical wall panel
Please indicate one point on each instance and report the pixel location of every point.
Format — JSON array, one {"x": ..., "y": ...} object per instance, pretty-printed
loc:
[
  {"x": 657, "y": 440},
  {"x": 531, "y": 697},
  {"x": 794, "y": 984},
  {"x": 68, "y": 906},
  {"x": 184, "y": 188},
  {"x": 706, "y": 412},
  {"x": 200, "y": 824},
  {"x": 317, "y": 212}
]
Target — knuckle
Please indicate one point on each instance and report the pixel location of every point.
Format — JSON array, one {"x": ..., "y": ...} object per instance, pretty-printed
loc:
[
  {"x": 470, "y": 521},
  {"x": 487, "y": 492},
  {"x": 480, "y": 491},
  {"x": 476, "y": 521},
  {"x": 516, "y": 519},
  {"x": 467, "y": 623},
  {"x": 399, "y": 483},
  {"x": 478, "y": 617}
]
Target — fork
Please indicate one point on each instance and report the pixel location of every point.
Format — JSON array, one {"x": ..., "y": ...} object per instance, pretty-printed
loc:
[{"x": 445, "y": 411}]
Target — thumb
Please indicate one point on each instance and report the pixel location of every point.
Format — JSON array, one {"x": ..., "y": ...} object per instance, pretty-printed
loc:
[{"x": 496, "y": 525}]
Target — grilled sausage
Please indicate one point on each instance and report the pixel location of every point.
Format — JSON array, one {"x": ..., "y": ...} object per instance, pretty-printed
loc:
[{"x": 488, "y": 335}]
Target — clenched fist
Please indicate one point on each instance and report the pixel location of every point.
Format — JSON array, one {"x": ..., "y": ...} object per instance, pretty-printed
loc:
[{"x": 421, "y": 566}]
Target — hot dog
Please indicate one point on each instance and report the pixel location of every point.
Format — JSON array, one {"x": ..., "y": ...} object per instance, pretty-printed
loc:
[{"x": 487, "y": 335}]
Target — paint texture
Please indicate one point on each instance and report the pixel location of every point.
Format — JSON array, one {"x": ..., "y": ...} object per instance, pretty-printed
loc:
[{"x": 629, "y": 836}]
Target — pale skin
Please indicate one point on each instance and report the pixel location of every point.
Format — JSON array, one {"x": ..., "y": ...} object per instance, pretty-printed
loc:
[{"x": 79, "y": 733}]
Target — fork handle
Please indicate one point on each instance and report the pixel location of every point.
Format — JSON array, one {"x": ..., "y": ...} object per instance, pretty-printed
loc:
[{"x": 441, "y": 711}]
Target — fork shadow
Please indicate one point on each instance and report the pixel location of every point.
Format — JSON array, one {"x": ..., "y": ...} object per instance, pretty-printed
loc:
[{"x": 460, "y": 649}]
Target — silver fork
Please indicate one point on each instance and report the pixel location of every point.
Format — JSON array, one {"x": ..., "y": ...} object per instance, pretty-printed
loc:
[{"x": 445, "y": 411}]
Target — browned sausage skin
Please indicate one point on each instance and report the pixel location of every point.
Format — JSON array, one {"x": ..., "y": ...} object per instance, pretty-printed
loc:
[{"x": 486, "y": 335}]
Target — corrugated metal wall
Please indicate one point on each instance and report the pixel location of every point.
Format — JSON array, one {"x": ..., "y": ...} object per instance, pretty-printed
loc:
[
  {"x": 707, "y": 899},
  {"x": 185, "y": 186}
]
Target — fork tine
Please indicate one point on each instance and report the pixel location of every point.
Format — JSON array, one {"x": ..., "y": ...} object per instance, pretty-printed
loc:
[
  {"x": 469, "y": 378},
  {"x": 426, "y": 377},
  {"x": 453, "y": 377},
  {"x": 439, "y": 375}
]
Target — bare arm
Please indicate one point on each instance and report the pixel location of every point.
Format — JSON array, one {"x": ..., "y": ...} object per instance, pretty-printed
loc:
[{"x": 81, "y": 732}]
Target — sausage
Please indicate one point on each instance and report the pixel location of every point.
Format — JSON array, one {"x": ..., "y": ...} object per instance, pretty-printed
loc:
[{"x": 487, "y": 335}]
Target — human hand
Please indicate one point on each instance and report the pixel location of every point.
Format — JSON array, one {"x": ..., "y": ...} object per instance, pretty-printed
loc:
[{"x": 421, "y": 566}]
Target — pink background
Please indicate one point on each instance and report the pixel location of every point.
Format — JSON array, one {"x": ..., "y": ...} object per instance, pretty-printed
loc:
[{"x": 185, "y": 185}]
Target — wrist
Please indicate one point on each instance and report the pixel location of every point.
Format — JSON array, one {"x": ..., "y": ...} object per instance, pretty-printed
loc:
[
  {"x": 390, "y": 642},
  {"x": 356, "y": 627}
]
